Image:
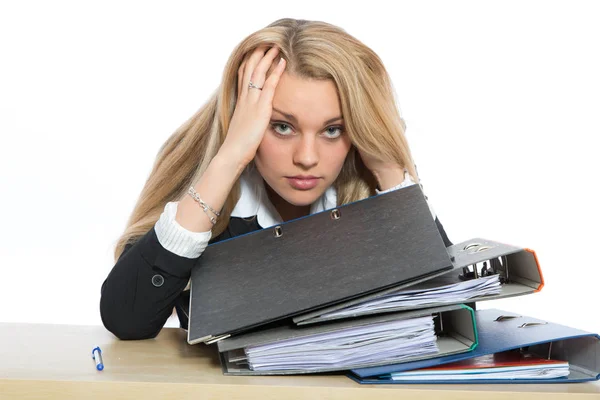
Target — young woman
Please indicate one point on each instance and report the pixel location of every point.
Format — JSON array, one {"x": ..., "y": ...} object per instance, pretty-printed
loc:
[{"x": 304, "y": 120}]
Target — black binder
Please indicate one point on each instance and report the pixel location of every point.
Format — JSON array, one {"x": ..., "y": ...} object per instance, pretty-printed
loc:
[
  {"x": 312, "y": 262},
  {"x": 518, "y": 269}
]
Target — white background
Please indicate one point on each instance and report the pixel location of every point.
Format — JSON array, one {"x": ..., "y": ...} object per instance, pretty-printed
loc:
[{"x": 501, "y": 100}]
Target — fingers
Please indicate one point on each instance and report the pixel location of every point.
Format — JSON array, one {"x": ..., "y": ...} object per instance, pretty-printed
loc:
[
  {"x": 242, "y": 69},
  {"x": 254, "y": 68},
  {"x": 271, "y": 83},
  {"x": 240, "y": 80},
  {"x": 251, "y": 63},
  {"x": 260, "y": 72}
]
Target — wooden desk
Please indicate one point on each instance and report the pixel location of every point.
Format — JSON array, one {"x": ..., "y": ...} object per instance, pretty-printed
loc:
[{"x": 54, "y": 361}]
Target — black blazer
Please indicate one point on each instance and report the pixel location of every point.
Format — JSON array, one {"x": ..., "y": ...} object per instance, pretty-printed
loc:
[{"x": 148, "y": 281}]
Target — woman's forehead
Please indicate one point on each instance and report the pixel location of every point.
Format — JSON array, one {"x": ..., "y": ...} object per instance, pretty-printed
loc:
[{"x": 306, "y": 100}]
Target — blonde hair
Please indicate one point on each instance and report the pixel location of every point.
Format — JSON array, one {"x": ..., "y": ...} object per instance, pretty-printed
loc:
[{"x": 313, "y": 50}]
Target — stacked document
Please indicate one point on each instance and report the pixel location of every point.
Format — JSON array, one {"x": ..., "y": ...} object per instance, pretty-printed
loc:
[
  {"x": 459, "y": 292},
  {"x": 502, "y": 366},
  {"x": 482, "y": 270},
  {"x": 376, "y": 340},
  {"x": 512, "y": 348},
  {"x": 392, "y": 341}
]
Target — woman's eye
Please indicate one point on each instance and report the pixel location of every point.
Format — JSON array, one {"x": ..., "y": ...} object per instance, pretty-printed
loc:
[
  {"x": 333, "y": 132},
  {"x": 281, "y": 132}
]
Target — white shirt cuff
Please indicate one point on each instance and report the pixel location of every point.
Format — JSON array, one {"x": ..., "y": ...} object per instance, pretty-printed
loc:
[
  {"x": 176, "y": 238},
  {"x": 408, "y": 181}
]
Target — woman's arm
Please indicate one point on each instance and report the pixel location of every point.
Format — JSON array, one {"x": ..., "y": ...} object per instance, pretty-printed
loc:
[
  {"x": 140, "y": 292},
  {"x": 142, "y": 288}
]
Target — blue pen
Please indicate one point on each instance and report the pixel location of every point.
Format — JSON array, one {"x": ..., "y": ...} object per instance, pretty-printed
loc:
[{"x": 97, "y": 356}]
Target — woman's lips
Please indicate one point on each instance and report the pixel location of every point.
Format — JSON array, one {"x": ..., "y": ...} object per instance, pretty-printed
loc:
[{"x": 303, "y": 183}]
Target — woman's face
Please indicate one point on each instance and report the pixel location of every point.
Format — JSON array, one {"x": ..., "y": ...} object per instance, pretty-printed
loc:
[{"x": 302, "y": 153}]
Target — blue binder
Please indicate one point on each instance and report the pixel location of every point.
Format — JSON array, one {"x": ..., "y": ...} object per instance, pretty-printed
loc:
[{"x": 500, "y": 331}]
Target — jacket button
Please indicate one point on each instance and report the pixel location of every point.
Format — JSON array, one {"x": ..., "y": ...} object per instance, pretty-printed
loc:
[{"x": 158, "y": 280}]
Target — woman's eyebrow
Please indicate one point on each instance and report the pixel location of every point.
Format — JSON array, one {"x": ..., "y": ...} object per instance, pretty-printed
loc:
[{"x": 293, "y": 118}]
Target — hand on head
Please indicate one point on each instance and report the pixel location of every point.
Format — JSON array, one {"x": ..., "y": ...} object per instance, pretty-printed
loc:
[{"x": 254, "y": 104}]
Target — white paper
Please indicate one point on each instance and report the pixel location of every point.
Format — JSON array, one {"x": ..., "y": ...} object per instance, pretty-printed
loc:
[
  {"x": 516, "y": 372},
  {"x": 391, "y": 341},
  {"x": 454, "y": 293}
]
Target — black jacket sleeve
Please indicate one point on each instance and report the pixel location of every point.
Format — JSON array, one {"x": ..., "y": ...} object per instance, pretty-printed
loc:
[
  {"x": 146, "y": 283},
  {"x": 142, "y": 288}
]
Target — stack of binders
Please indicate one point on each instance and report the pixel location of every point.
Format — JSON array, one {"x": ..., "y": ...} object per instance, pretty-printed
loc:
[
  {"x": 370, "y": 288},
  {"x": 503, "y": 335}
]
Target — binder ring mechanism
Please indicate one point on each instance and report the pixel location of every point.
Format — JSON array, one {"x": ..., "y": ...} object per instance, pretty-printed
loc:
[
  {"x": 335, "y": 214},
  {"x": 493, "y": 266}
]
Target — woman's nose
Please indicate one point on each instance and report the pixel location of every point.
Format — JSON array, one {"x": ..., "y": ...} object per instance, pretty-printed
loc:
[{"x": 306, "y": 153}]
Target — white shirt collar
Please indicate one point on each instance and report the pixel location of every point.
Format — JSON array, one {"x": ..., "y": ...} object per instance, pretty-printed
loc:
[{"x": 254, "y": 200}]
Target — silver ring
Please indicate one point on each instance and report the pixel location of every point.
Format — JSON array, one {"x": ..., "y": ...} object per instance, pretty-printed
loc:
[{"x": 252, "y": 85}]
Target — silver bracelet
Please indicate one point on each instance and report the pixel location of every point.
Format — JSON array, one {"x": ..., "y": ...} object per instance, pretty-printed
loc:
[{"x": 205, "y": 207}]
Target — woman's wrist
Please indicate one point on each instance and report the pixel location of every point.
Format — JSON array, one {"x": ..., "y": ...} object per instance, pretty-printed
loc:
[
  {"x": 389, "y": 176},
  {"x": 225, "y": 161},
  {"x": 232, "y": 158},
  {"x": 212, "y": 188}
]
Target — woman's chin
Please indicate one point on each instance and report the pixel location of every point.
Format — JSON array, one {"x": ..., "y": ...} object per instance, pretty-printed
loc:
[{"x": 302, "y": 198}]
